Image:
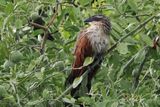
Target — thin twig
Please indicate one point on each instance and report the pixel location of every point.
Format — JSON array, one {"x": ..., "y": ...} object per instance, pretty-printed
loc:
[
  {"x": 136, "y": 30},
  {"x": 138, "y": 15},
  {"x": 43, "y": 42},
  {"x": 64, "y": 93},
  {"x": 53, "y": 18},
  {"x": 38, "y": 25},
  {"x": 47, "y": 32}
]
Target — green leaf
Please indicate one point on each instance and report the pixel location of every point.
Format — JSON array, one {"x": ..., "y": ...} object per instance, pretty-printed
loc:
[
  {"x": 38, "y": 31},
  {"x": 87, "y": 61},
  {"x": 77, "y": 81},
  {"x": 133, "y": 5},
  {"x": 147, "y": 40},
  {"x": 117, "y": 27},
  {"x": 122, "y": 48},
  {"x": 3, "y": 2},
  {"x": 3, "y": 91},
  {"x": 86, "y": 100},
  {"x": 45, "y": 94},
  {"x": 115, "y": 104},
  {"x": 33, "y": 63},
  {"x": 100, "y": 104},
  {"x": 16, "y": 56},
  {"x": 4, "y": 51},
  {"x": 140, "y": 56},
  {"x": 9, "y": 8},
  {"x": 18, "y": 23},
  {"x": 59, "y": 65},
  {"x": 84, "y": 2},
  {"x": 35, "y": 102},
  {"x": 70, "y": 101},
  {"x": 8, "y": 64}
]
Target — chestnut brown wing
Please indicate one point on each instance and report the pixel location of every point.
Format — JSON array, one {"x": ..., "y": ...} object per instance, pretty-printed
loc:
[{"x": 83, "y": 49}]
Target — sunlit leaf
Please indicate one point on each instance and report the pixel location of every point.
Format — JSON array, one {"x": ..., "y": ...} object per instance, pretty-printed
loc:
[
  {"x": 122, "y": 48},
  {"x": 77, "y": 81},
  {"x": 87, "y": 61},
  {"x": 70, "y": 101}
]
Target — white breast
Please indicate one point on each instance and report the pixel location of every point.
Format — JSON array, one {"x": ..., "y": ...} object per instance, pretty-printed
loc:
[{"x": 98, "y": 38}]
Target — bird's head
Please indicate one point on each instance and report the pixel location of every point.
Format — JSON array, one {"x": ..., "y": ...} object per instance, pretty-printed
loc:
[{"x": 102, "y": 19}]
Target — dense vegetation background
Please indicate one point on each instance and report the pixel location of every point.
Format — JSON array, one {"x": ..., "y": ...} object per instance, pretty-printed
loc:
[{"x": 130, "y": 73}]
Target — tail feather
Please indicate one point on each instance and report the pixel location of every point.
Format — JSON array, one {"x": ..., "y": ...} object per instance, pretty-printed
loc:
[
  {"x": 83, "y": 49},
  {"x": 76, "y": 71}
]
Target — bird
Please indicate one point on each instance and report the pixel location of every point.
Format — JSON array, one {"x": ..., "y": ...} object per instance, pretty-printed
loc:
[
  {"x": 38, "y": 18},
  {"x": 92, "y": 41}
]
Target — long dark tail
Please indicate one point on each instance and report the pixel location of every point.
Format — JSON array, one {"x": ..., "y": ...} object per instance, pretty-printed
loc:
[
  {"x": 76, "y": 71},
  {"x": 94, "y": 66},
  {"x": 96, "y": 63}
]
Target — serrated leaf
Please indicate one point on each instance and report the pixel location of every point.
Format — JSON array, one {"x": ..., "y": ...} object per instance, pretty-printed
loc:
[{"x": 77, "y": 81}]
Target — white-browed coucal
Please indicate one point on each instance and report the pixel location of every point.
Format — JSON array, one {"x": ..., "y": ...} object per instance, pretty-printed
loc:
[{"x": 92, "y": 42}]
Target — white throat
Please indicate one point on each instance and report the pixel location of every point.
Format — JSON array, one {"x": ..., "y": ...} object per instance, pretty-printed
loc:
[{"x": 98, "y": 38}]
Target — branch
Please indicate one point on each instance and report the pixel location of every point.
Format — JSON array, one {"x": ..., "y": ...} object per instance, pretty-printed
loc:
[
  {"x": 138, "y": 15},
  {"x": 47, "y": 32},
  {"x": 38, "y": 25},
  {"x": 53, "y": 18},
  {"x": 64, "y": 93},
  {"x": 136, "y": 30},
  {"x": 44, "y": 41}
]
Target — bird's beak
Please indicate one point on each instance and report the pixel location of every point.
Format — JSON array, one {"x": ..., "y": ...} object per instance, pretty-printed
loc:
[{"x": 88, "y": 20}]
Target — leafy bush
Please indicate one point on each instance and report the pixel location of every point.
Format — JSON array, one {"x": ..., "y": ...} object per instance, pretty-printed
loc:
[{"x": 129, "y": 76}]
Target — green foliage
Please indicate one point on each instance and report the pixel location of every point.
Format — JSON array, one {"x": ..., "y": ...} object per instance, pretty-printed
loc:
[{"x": 29, "y": 79}]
